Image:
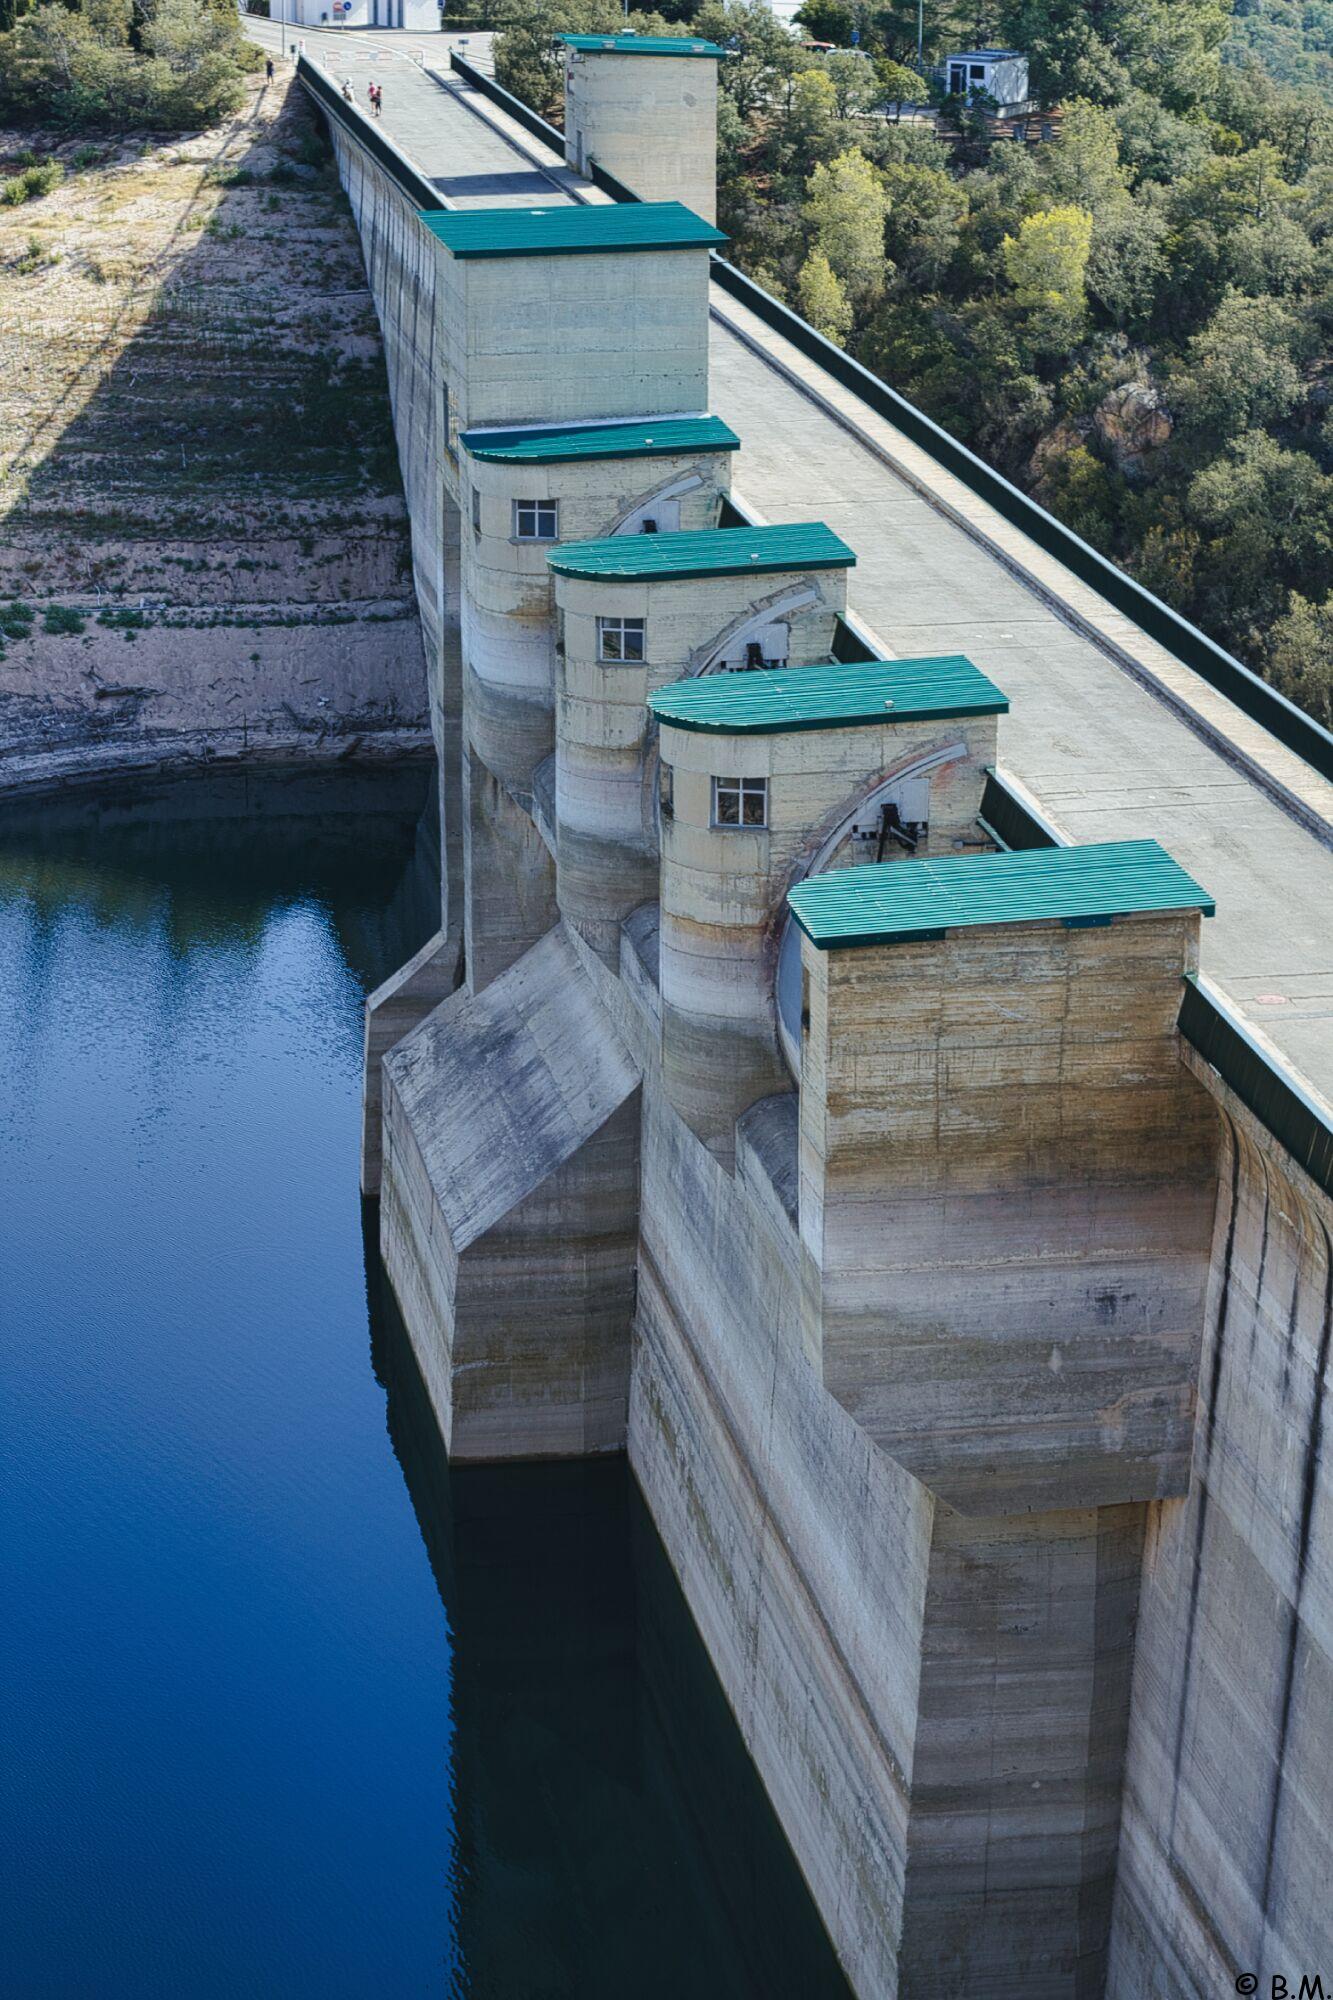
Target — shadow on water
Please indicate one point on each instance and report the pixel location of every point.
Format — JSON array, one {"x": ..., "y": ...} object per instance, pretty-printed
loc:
[
  {"x": 613, "y": 1835},
  {"x": 206, "y": 859}
]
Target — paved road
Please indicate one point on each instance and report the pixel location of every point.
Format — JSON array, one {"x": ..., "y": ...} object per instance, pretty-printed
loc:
[{"x": 1104, "y": 754}]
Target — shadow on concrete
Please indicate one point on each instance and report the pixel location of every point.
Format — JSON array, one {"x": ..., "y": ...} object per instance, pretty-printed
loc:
[
  {"x": 496, "y": 187},
  {"x": 613, "y": 1835}
]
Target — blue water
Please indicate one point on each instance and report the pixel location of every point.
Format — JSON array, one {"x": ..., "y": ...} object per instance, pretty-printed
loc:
[{"x": 290, "y": 1710}]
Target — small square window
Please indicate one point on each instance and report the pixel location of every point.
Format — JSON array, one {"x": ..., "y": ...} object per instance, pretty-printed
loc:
[
  {"x": 536, "y": 521},
  {"x": 740, "y": 802},
  {"x": 620, "y": 640},
  {"x": 476, "y": 512}
]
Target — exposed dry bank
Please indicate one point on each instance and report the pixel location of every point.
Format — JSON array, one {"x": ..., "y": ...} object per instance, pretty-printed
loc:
[{"x": 203, "y": 543}]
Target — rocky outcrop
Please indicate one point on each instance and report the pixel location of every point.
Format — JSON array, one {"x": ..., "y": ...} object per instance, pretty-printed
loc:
[{"x": 1130, "y": 424}]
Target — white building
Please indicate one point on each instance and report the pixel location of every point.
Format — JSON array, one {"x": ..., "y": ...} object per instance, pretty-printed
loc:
[
  {"x": 419, "y": 16},
  {"x": 999, "y": 73}
]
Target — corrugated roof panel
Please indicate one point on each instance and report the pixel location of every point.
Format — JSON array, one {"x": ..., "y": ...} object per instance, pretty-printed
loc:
[
  {"x": 872, "y": 691},
  {"x": 570, "y": 231},
  {"x": 555, "y": 446},
  {"x": 904, "y": 902},
  {"x": 641, "y": 45},
  {"x": 800, "y": 545}
]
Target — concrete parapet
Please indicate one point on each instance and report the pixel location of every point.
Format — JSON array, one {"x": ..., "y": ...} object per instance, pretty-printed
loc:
[{"x": 508, "y": 1222}]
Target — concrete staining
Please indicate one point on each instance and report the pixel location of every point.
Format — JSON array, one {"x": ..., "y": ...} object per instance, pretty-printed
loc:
[{"x": 976, "y": 1384}]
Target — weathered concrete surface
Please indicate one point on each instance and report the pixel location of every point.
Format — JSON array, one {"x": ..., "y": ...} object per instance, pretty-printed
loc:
[
  {"x": 1227, "y": 1837},
  {"x": 392, "y": 1011},
  {"x": 197, "y": 481},
  {"x": 510, "y": 1146},
  {"x": 649, "y": 120},
  {"x": 723, "y": 889},
  {"x": 1007, "y": 1194}
]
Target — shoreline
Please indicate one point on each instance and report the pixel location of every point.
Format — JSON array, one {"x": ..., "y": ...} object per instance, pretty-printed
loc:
[{"x": 30, "y": 775}]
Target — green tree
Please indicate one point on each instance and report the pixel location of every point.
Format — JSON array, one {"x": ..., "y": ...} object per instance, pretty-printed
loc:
[
  {"x": 1082, "y": 164},
  {"x": 1046, "y": 265},
  {"x": 1239, "y": 373},
  {"x": 1299, "y": 656},
  {"x": 80, "y": 67},
  {"x": 855, "y": 84},
  {"x": 845, "y": 208},
  {"x": 828, "y": 21},
  {"x": 823, "y": 300},
  {"x": 927, "y": 209},
  {"x": 764, "y": 58},
  {"x": 898, "y": 85},
  {"x": 811, "y": 131}
]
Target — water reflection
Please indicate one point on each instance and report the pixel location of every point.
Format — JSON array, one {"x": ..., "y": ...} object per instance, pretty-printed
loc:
[
  {"x": 258, "y": 1740},
  {"x": 613, "y": 1835}
]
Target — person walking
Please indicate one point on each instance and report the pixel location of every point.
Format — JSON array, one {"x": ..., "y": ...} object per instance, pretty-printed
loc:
[
  {"x": 379, "y": 99},
  {"x": 268, "y": 69},
  {"x": 347, "y": 91}
]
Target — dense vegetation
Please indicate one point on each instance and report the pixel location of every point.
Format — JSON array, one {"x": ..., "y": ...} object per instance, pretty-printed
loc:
[
  {"x": 161, "y": 65},
  {"x": 1293, "y": 39},
  {"x": 1133, "y": 320}
]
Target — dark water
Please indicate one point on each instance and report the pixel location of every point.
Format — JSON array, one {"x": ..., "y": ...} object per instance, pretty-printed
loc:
[{"x": 290, "y": 1709}]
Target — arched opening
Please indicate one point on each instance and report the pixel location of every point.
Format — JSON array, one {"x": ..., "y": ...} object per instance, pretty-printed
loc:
[{"x": 886, "y": 824}]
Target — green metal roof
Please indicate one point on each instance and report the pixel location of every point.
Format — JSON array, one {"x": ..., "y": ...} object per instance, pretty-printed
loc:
[
  {"x": 910, "y": 902},
  {"x": 640, "y": 45},
  {"x": 552, "y": 446},
  {"x": 791, "y": 698},
  {"x": 569, "y": 231},
  {"x": 705, "y": 552}
]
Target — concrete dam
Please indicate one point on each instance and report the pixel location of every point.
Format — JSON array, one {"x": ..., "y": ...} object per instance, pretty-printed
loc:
[{"x": 874, "y": 1069}]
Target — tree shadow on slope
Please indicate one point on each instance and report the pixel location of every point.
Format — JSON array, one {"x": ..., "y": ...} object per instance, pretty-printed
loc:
[{"x": 249, "y": 398}]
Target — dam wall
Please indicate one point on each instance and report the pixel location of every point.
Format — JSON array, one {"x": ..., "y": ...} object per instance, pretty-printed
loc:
[
  {"x": 1227, "y": 1835},
  {"x": 966, "y": 1330},
  {"x": 402, "y": 272}
]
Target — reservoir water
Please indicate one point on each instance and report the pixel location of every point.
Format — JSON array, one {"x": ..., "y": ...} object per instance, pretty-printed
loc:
[{"x": 290, "y": 1709}]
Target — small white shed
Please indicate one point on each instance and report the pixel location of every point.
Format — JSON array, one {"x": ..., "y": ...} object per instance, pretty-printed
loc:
[{"x": 1000, "y": 73}]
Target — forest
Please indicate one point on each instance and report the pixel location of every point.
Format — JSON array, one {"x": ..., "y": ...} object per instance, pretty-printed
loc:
[{"x": 1133, "y": 320}]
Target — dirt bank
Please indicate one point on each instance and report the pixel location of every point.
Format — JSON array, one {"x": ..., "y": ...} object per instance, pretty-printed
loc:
[{"x": 203, "y": 543}]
